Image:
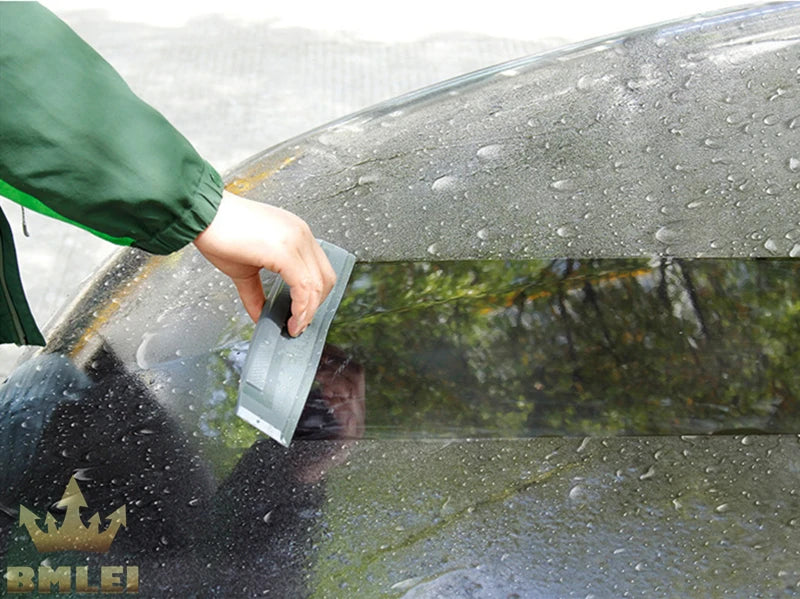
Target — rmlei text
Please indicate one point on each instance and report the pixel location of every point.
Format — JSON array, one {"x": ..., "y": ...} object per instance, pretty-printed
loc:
[{"x": 65, "y": 579}]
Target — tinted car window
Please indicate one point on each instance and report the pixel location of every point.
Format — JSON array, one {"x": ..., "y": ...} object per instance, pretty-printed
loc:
[{"x": 523, "y": 348}]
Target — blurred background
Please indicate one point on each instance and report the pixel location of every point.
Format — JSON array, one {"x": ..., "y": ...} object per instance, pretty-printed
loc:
[{"x": 237, "y": 77}]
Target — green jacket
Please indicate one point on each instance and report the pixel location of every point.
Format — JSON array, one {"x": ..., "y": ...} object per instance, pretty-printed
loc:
[{"x": 78, "y": 145}]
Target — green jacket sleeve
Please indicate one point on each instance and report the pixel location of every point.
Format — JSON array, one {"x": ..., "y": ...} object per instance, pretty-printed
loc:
[{"x": 77, "y": 144}]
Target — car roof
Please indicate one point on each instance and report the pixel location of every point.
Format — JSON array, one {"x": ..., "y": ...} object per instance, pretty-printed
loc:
[{"x": 673, "y": 140}]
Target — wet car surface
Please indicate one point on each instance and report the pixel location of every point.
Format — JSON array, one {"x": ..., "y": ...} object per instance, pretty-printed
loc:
[{"x": 564, "y": 365}]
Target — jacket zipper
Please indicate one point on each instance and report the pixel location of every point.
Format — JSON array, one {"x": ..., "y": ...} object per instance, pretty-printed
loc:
[{"x": 7, "y": 296}]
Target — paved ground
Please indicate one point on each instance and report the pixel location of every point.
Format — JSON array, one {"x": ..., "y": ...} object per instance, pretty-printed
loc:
[{"x": 238, "y": 77}]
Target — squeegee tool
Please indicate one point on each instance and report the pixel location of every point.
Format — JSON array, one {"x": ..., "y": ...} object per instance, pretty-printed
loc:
[{"x": 279, "y": 369}]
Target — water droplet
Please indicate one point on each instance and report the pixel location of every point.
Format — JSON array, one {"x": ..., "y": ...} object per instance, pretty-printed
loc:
[
  {"x": 771, "y": 246},
  {"x": 640, "y": 567},
  {"x": 368, "y": 178},
  {"x": 443, "y": 183},
  {"x": 649, "y": 474},
  {"x": 795, "y": 251},
  {"x": 565, "y": 231},
  {"x": 668, "y": 236},
  {"x": 563, "y": 185},
  {"x": 794, "y": 164},
  {"x": 695, "y": 204},
  {"x": 777, "y": 94},
  {"x": 771, "y": 119},
  {"x": 433, "y": 249},
  {"x": 483, "y": 234},
  {"x": 490, "y": 152},
  {"x": 576, "y": 492},
  {"x": 712, "y": 142},
  {"x": 722, "y": 508},
  {"x": 584, "y": 83}
]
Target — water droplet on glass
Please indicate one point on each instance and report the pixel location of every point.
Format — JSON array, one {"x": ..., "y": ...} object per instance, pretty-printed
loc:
[
  {"x": 722, "y": 508},
  {"x": 794, "y": 164},
  {"x": 445, "y": 182},
  {"x": 433, "y": 249},
  {"x": 563, "y": 185},
  {"x": 483, "y": 234},
  {"x": 649, "y": 474},
  {"x": 368, "y": 178},
  {"x": 564, "y": 231},
  {"x": 712, "y": 142},
  {"x": 490, "y": 152},
  {"x": 771, "y": 246},
  {"x": 771, "y": 119},
  {"x": 584, "y": 83},
  {"x": 576, "y": 492},
  {"x": 777, "y": 94},
  {"x": 668, "y": 236},
  {"x": 795, "y": 251}
]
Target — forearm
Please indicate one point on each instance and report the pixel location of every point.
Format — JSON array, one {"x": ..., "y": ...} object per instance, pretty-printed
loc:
[{"x": 74, "y": 139}]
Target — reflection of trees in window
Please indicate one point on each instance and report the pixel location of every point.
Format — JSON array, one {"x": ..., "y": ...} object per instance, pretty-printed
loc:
[{"x": 575, "y": 346}]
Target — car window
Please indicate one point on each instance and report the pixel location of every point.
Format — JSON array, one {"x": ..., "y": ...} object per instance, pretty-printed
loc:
[
  {"x": 576, "y": 347},
  {"x": 456, "y": 349}
]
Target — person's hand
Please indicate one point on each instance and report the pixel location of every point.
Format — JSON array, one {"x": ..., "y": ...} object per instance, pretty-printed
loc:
[{"x": 246, "y": 236}]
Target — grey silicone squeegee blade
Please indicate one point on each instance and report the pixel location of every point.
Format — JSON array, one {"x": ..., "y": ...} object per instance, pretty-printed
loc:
[{"x": 279, "y": 369}]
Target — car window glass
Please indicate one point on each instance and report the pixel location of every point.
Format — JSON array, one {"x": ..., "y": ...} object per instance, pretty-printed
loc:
[{"x": 528, "y": 348}]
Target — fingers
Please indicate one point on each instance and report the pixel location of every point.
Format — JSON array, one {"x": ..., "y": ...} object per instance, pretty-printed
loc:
[
  {"x": 310, "y": 278},
  {"x": 246, "y": 236},
  {"x": 252, "y": 295}
]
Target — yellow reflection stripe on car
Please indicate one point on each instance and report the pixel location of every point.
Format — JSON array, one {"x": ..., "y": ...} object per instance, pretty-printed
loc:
[
  {"x": 241, "y": 185},
  {"x": 503, "y": 297},
  {"x": 114, "y": 303},
  {"x": 574, "y": 283}
]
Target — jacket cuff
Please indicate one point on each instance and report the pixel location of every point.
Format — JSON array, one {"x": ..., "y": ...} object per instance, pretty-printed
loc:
[{"x": 200, "y": 211}]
